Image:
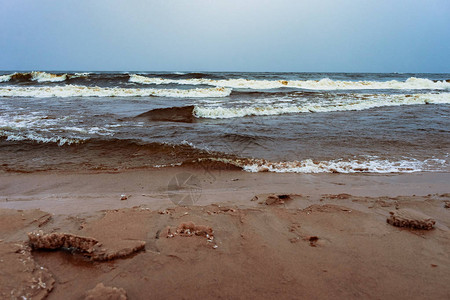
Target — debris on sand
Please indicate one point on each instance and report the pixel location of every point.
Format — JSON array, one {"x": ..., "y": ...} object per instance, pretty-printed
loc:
[
  {"x": 338, "y": 196},
  {"x": 313, "y": 241},
  {"x": 123, "y": 197},
  {"x": 190, "y": 229},
  {"x": 410, "y": 218},
  {"x": 106, "y": 292},
  {"x": 272, "y": 199}
]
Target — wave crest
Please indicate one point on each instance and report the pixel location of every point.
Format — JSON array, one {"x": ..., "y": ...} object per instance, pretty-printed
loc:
[
  {"x": 354, "y": 102},
  {"x": 366, "y": 165},
  {"x": 35, "y": 76},
  {"x": 47, "y": 77},
  {"x": 84, "y": 91},
  {"x": 412, "y": 83}
]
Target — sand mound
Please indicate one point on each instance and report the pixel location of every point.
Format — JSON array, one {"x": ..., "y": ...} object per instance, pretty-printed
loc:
[
  {"x": 410, "y": 218},
  {"x": 20, "y": 276},
  {"x": 86, "y": 245},
  {"x": 121, "y": 249},
  {"x": 106, "y": 292},
  {"x": 39, "y": 240}
]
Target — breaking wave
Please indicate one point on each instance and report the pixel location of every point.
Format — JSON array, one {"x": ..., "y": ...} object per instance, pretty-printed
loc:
[
  {"x": 412, "y": 83},
  {"x": 59, "y": 140},
  {"x": 5, "y": 78},
  {"x": 84, "y": 91},
  {"x": 367, "y": 164},
  {"x": 36, "y": 76},
  {"x": 370, "y": 165},
  {"x": 354, "y": 102},
  {"x": 39, "y": 76},
  {"x": 133, "y": 153}
]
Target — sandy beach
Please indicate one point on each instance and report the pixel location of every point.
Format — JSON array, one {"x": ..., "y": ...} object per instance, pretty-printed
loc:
[
  {"x": 224, "y": 150},
  {"x": 247, "y": 235}
]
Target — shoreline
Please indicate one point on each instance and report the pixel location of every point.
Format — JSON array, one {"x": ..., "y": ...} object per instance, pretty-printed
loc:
[{"x": 57, "y": 191}]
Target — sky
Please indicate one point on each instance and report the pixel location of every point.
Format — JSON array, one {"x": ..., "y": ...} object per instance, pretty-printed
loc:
[{"x": 226, "y": 35}]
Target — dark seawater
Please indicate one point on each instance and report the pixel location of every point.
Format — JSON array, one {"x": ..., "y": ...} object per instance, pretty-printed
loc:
[{"x": 278, "y": 122}]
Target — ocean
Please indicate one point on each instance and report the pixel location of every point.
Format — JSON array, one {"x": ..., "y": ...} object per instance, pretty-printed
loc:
[{"x": 257, "y": 122}]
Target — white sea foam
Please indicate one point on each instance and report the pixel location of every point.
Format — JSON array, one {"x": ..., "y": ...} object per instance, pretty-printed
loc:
[
  {"x": 32, "y": 120},
  {"x": 47, "y": 77},
  {"x": 348, "y": 103},
  {"x": 77, "y": 75},
  {"x": 411, "y": 83},
  {"x": 37, "y": 127},
  {"x": 32, "y": 127},
  {"x": 31, "y": 136},
  {"x": 37, "y": 76},
  {"x": 5, "y": 78},
  {"x": 187, "y": 143},
  {"x": 90, "y": 130},
  {"x": 84, "y": 91},
  {"x": 369, "y": 165}
]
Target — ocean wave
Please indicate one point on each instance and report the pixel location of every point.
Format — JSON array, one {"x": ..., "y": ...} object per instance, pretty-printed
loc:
[
  {"x": 46, "y": 129},
  {"x": 31, "y": 120},
  {"x": 153, "y": 151},
  {"x": 368, "y": 164},
  {"x": 94, "y": 130},
  {"x": 39, "y": 76},
  {"x": 34, "y": 137},
  {"x": 84, "y": 91},
  {"x": 371, "y": 165},
  {"x": 411, "y": 83},
  {"x": 77, "y": 75},
  {"x": 35, "y": 76},
  {"x": 173, "y": 114},
  {"x": 47, "y": 77},
  {"x": 5, "y": 78},
  {"x": 353, "y": 102},
  {"x": 160, "y": 154}
]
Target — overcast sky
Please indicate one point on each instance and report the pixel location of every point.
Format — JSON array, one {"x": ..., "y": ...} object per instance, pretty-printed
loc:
[{"x": 226, "y": 35}]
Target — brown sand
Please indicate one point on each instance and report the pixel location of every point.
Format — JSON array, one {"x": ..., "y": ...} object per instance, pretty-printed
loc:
[
  {"x": 106, "y": 292},
  {"x": 325, "y": 237}
]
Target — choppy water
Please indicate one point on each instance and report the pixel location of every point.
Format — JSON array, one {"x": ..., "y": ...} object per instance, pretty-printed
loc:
[{"x": 280, "y": 122}]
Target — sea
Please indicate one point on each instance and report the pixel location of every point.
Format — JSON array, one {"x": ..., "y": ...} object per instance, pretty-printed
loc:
[{"x": 255, "y": 122}]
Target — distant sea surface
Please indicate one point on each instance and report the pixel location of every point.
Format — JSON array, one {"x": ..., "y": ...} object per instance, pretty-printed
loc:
[{"x": 257, "y": 122}]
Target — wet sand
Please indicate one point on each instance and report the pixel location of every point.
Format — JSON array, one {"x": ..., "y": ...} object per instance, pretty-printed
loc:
[{"x": 326, "y": 236}]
